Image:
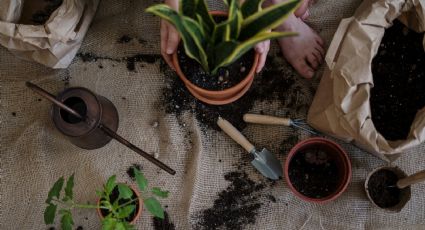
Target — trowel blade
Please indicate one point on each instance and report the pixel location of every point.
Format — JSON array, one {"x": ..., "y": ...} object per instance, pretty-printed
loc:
[{"x": 267, "y": 164}]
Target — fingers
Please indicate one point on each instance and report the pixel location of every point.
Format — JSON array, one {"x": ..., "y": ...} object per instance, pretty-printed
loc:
[
  {"x": 164, "y": 43},
  {"x": 173, "y": 40},
  {"x": 263, "y": 49}
]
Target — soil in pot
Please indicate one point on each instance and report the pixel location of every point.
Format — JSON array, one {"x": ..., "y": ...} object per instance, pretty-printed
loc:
[
  {"x": 226, "y": 77},
  {"x": 314, "y": 173},
  {"x": 37, "y": 12},
  {"x": 114, "y": 196},
  {"x": 399, "y": 81},
  {"x": 382, "y": 189}
]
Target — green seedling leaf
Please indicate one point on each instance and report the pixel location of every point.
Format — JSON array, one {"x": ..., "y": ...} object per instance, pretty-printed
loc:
[
  {"x": 108, "y": 223},
  {"x": 55, "y": 190},
  {"x": 99, "y": 193},
  {"x": 157, "y": 191},
  {"x": 110, "y": 185},
  {"x": 49, "y": 214},
  {"x": 141, "y": 180},
  {"x": 124, "y": 192},
  {"x": 120, "y": 226},
  {"x": 66, "y": 221},
  {"x": 68, "y": 188},
  {"x": 154, "y": 207},
  {"x": 125, "y": 211}
]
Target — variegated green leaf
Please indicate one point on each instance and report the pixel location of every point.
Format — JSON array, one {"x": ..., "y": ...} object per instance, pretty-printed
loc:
[
  {"x": 235, "y": 21},
  {"x": 227, "y": 53},
  {"x": 196, "y": 33},
  {"x": 174, "y": 18},
  {"x": 267, "y": 19},
  {"x": 188, "y": 8},
  {"x": 250, "y": 7},
  {"x": 202, "y": 10}
]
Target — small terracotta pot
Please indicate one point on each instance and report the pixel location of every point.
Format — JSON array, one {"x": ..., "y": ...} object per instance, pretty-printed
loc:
[
  {"x": 139, "y": 210},
  {"x": 337, "y": 154},
  {"x": 218, "y": 97}
]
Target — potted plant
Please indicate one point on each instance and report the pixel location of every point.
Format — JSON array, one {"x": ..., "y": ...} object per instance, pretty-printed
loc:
[
  {"x": 317, "y": 170},
  {"x": 119, "y": 204},
  {"x": 216, "y": 43}
]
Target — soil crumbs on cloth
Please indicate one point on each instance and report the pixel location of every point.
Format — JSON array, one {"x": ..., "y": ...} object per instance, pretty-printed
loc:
[
  {"x": 399, "y": 81},
  {"x": 163, "y": 224},
  {"x": 274, "y": 84},
  {"x": 236, "y": 206},
  {"x": 382, "y": 190}
]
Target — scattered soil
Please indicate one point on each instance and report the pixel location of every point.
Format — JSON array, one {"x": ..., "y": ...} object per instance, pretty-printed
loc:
[
  {"x": 226, "y": 77},
  {"x": 14, "y": 114},
  {"x": 79, "y": 228},
  {"x": 271, "y": 198},
  {"x": 114, "y": 196},
  {"x": 163, "y": 224},
  {"x": 399, "y": 81},
  {"x": 313, "y": 173},
  {"x": 124, "y": 39},
  {"x": 130, "y": 171},
  {"x": 274, "y": 83},
  {"x": 379, "y": 190},
  {"x": 236, "y": 206}
]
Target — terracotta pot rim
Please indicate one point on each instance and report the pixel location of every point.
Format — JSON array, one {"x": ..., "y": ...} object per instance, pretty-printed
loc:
[
  {"x": 139, "y": 212},
  {"x": 346, "y": 177},
  {"x": 213, "y": 93}
]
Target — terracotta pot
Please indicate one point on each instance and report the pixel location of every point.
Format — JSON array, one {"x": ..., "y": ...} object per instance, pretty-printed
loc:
[
  {"x": 218, "y": 97},
  {"x": 333, "y": 150},
  {"x": 138, "y": 211}
]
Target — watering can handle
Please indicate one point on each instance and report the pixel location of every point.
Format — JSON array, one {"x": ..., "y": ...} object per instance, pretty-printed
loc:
[
  {"x": 412, "y": 179},
  {"x": 266, "y": 120},
  {"x": 237, "y": 136}
]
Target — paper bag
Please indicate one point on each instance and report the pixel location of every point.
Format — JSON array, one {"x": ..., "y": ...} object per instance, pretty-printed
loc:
[
  {"x": 341, "y": 105},
  {"x": 54, "y": 43}
]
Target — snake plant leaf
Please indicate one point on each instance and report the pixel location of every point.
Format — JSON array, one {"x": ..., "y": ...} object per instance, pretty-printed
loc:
[
  {"x": 202, "y": 10},
  {"x": 229, "y": 52},
  {"x": 165, "y": 12},
  {"x": 267, "y": 19},
  {"x": 221, "y": 32},
  {"x": 194, "y": 30},
  {"x": 250, "y": 7},
  {"x": 188, "y": 8},
  {"x": 235, "y": 21}
]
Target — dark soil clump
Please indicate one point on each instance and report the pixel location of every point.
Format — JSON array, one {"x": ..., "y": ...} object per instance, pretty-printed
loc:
[
  {"x": 273, "y": 84},
  {"x": 399, "y": 81},
  {"x": 148, "y": 58},
  {"x": 380, "y": 191},
  {"x": 124, "y": 39},
  {"x": 226, "y": 77},
  {"x": 114, "y": 196},
  {"x": 130, "y": 171},
  {"x": 41, "y": 16},
  {"x": 163, "y": 224},
  {"x": 313, "y": 173},
  {"x": 235, "y": 207}
]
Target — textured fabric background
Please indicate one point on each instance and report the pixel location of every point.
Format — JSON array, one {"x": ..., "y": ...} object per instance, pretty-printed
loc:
[{"x": 34, "y": 154}]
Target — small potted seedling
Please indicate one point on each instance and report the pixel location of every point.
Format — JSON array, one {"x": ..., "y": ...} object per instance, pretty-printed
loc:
[
  {"x": 317, "y": 170},
  {"x": 216, "y": 61},
  {"x": 119, "y": 204}
]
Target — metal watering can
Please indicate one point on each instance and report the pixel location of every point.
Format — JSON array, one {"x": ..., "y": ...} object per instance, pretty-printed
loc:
[{"x": 88, "y": 120}]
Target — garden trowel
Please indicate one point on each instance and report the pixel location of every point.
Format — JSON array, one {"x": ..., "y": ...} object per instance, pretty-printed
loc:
[{"x": 264, "y": 161}]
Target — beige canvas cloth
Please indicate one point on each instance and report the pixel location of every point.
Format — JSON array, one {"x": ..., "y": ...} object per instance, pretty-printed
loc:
[
  {"x": 54, "y": 43},
  {"x": 341, "y": 107},
  {"x": 33, "y": 154}
]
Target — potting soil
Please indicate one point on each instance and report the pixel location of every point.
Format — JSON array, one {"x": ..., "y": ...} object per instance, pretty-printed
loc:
[
  {"x": 383, "y": 190},
  {"x": 164, "y": 120},
  {"x": 399, "y": 81}
]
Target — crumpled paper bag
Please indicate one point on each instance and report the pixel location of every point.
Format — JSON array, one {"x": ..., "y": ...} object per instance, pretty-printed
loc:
[
  {"x": 341, "y": 105},
  {"x": 53, "y": 44}
]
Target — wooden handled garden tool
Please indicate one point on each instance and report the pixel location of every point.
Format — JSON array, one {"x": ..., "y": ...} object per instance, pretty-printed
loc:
[
  {"x": 93, "y": 105},
  {"x": 409, "y": 180},
  {"x": 264, "y": 161},
  {"x": 270, "y": 120}
]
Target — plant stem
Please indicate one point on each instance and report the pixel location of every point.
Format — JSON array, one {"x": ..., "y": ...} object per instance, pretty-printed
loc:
[{"x": 128, "y": 202}]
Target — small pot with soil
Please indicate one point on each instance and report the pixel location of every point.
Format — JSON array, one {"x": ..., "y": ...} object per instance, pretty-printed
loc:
[
  {"x": 134, "y": 200},
  {"x": 317, "y": 170},
  {"x": 381, "y": 189}
]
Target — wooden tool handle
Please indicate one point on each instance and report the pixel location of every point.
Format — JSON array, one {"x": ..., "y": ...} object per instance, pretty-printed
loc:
[
  {"x": 412, "y": 179},
  {"x": 237, "y": 136},
  {"x": 266, "y": 120}
]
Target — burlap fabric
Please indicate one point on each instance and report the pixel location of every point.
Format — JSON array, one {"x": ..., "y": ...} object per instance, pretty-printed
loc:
[{"x": 34, "y": 154}]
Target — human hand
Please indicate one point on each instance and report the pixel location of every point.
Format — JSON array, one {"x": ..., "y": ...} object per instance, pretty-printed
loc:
[
  {"x": 169, "y": 36},
  {"x": 262, "y": 48}
]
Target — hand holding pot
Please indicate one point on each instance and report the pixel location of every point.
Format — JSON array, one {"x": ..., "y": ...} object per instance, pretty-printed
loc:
[{"x": 169, "y": 36}]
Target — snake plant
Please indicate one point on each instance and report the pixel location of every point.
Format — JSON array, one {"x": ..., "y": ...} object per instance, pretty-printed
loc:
[{"x": 218, "y": 44}]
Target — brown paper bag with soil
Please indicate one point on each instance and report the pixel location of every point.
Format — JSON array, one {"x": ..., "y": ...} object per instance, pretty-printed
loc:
[
  {"x": 49, "y": 32},
  {"x": 341, "y": 106}
]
